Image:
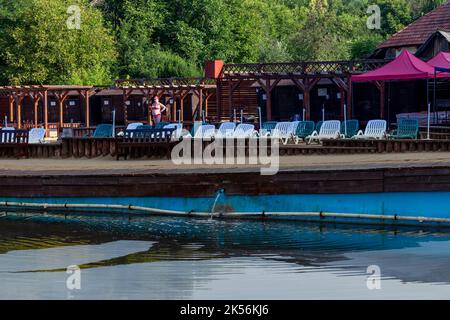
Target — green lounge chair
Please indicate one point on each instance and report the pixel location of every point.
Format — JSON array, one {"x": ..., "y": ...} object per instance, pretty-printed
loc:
[
  {"x": 352, "y": 128},
  {"x": 267, "y": 128},
  {"x": 103, "y": 131},
  {"x": 144, "y": 127},
  {"x": 161, "y": 125},
  {"x": 195, "y": 127},
  {"x": 304, "y": 129},
  {"x": 141, "y": 134},
  {"x": 406, "y": 129}
]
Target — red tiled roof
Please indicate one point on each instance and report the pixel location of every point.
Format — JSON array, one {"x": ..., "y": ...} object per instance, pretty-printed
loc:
[{"x": 421, "y": 29}]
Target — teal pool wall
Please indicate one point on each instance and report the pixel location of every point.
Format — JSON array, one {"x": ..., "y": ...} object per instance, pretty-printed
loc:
[{"x": 426, "y": 204}]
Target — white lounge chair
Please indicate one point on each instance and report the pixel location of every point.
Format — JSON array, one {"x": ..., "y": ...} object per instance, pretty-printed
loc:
[
  {"x": 226, "y": 130},
  {"x": 178, "y": 130},
  {"x": 36, "y": 136},
  {"x": 375, "y": 129},
  {"x": 284, "y": 131},
  {"x": 244, "y": 131},
  {"x": 205, "y": 131},
  {"x": 329, "y": 130},
  {"x": 7, "y": 129},
  {"x": 134, "y": 126}
]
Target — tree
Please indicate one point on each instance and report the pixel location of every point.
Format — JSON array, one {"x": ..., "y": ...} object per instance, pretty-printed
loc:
[
  {"x": 321, "y": 37},
  {"x": 43, "y": 45}
]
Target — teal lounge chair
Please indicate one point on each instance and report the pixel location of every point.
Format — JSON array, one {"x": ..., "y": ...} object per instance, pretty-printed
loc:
[
  {"x": 304, "y": 129},
  {"x": 194, "y": 128},
  {"x": 352, "y": 128},
  {"x": 103, "y": 131},
  {"x": 161, "y": 125},
  {"x": 406, "y": 129},
  {"x": 144, "y": 127},
  {"x": 267, "y": 128}
]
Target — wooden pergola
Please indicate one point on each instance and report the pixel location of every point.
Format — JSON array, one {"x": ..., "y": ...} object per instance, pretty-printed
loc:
[
  {"x": 304, "y": 75},
  {"x": 175, "y": 88},
  {"x": 41, "y": 93}
]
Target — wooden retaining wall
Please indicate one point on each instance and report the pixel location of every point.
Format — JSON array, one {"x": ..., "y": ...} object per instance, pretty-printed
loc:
[
  {"x": 387, "y": 146},
  {"x": 201, "y": 183},
  {"x": 103, "y": 147}
]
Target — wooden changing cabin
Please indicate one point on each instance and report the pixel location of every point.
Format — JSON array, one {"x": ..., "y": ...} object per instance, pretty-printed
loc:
[{"x": 48, "y": 106}]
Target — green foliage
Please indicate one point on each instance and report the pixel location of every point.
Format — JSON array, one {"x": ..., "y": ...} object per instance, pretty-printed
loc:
[
  {"x": 163, "y": 38},
  {"x": 38, "y": 47}
]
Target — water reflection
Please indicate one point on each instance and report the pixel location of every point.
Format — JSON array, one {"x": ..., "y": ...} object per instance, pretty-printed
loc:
[{"x": 160, "y": 257}]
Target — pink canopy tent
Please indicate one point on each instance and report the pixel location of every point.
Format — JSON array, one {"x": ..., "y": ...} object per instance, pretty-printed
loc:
[
  {"x": 442, "y": 60},
  {"x": 405, "y": 67}
]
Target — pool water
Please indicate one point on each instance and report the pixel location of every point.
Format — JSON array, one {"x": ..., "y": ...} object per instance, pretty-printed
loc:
[{"x": 124, "y": 257}]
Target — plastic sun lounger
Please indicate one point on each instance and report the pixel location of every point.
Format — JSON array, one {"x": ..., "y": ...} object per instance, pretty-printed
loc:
[
  {"x": 406, "y": 129},
  {"x": 329, "y": 130},
  {"x": 205, "y": 131},
  {"x": 161, "y": 125},
  {"x": 285, "y": 131},
  {"x": 352, "y": 127},
  {"x": 376, "y": 129},
  {"x": 226, "y": 130},
  {"x": 267, "y": 128},
  {"x": 304, "y": 129},
  {"x": 144, "y": 127},
  {"x": 7, "y": 129},
  {"x": 36, "y": 136},
  {"x": 176, "y": 135},
  {"x": 244, "y": 131},
  {"x": 134, "y": 126},
  {"x": 102, "y": 131}
]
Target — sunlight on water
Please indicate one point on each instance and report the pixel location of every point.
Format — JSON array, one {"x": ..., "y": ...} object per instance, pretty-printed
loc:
[{"x": 123, "y": 257}]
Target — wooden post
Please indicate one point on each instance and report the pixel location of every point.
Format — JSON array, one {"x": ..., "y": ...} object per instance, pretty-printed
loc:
[
  {"x": 268, "y": 101},
  {"x": 342, "y": 92},
  {"x": 126, "y": 96},
  {"x": 206, "y": 105},
  {"x": 382, "y": 88},
  {"x": 174, "y": 116},
  {"x": 307, "y": 102},
  {"x": 36, "y": 104},
  {"x": 382, "y": 101},
  {"x": 11, "y": 109},
  {"x": 88, "y": 111},
  {"x": 182, "y": 96},
  {"x": 200, "y": 98},
  {"x": 19, "y": 112},
  {"x": 350, "y": 96},
  {"x": 61, "y": 113},
  {"x": 46, "y": 112},
  {"x": 230, "y": 96},
  {"x": 149, "y": 108},
  {"x": 218, "y": 101},
  {"x": 61, "y": 99}
]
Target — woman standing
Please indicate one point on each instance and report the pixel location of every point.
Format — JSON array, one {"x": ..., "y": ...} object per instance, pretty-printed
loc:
[{"x": 157, "y": 109}]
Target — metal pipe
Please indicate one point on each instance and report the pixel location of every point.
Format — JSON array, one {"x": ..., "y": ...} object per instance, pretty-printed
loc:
[
  {"x": 223, "y": 215},
  {"x": 260, "y": 119},
  {"x": 323, "y": 112},
  {"x": 429, "y": 112},
  {"x": 114, "y": 123},
  {"x": 345, "y": 119}
]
